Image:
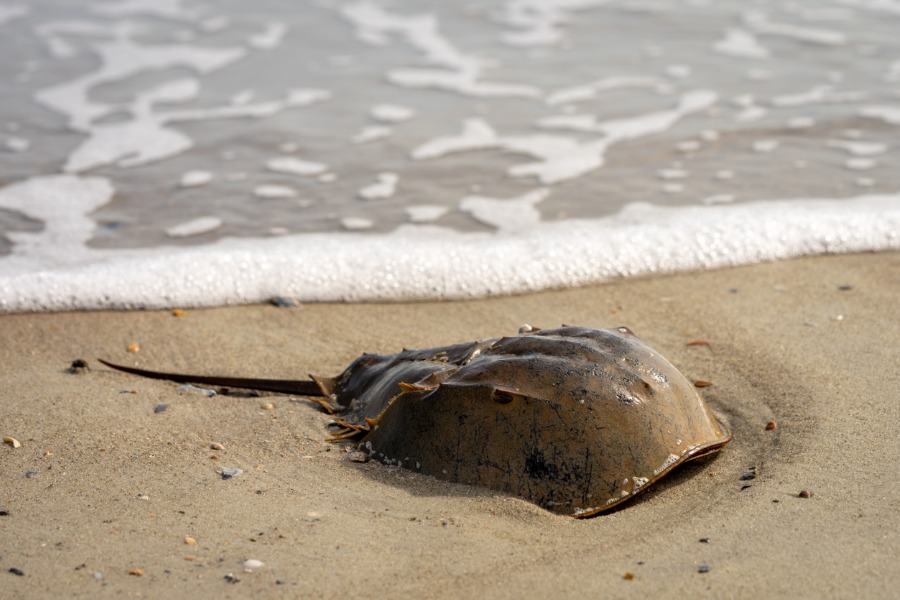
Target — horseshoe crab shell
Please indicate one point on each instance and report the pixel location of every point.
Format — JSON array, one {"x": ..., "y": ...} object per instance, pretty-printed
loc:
[{"x": 575, "y": 420}]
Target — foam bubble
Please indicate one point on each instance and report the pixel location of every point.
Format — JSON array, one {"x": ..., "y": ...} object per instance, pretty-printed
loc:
[
  {"x": 274, "y": 191},
  {"x": 391, "y": 113},
  {"x": 295, "y": 166},
  {"x": 197, "y": 226},
  {"x": 195, "y": 179},
  {"x": 385, "y": 187}
]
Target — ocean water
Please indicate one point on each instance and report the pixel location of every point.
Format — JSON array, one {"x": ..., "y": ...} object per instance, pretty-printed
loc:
[{"x": 162, "y": 153}]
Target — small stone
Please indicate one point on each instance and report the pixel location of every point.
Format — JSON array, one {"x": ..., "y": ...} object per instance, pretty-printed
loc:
[
  {"x": 133, "y": 348},
  {"x": 137, "y": 572},
  {"x": 845, "y": 288},
  {"x": 192, "y": 388},
  {"x": 160, "y": 408},
  {"x": 177, "y": 312},
  {"x": 749, "y": 474},
  {"x": 628, "y": 576},
  {"x": 745, "y": 486},
  {"x": 31, "y": 474},
  {"x": 78, "y": 367},
  {"x": 704, "y": 540},
  {"x": 700, "y": 383},
  {"x": 805, "y": 494},
  {"x": 16, "y": 571},
  {"x": 267, "y": 406},
  {"x": 283, "y": 302},
  {"x": 771, "y": 425},
  {"x": 703, "y": 569},
  {"x": 4, "y": 513},
  {"x": 217, "y": 446},
  {"x": 359, "y": 456},
  {"x": 12, "y": 442},
  {"x": 143, "y": 497},
  {"x": 252, "y": 563},
  {"x": 230, "y": 578},
  {"x": 97, "y": 575},
  {"x": 189, "y": 540},
  {"x": 229, "y": 472}
]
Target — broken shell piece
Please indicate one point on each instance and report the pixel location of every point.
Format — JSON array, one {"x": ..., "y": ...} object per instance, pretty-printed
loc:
[
  {"x": 252, "y": 563},
  {"x": 12, "y": 442}
]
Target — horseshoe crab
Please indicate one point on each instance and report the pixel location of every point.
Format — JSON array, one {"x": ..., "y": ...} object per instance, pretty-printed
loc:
[{"x": 575, "y": 420}]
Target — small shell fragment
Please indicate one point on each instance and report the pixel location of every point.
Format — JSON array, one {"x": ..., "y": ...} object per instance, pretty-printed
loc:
[
  {"x": 133, "y": 348},
  {"x": 252, "y": 563},
  {"x": 701, "y": 383},
  {"x": 12, "y": 442},
  {"x": 771, "y": 425},
  {"x": 137, "y": 572},
  {"x": 189, "y": 540},
  {"x": 216, "y": 446}
]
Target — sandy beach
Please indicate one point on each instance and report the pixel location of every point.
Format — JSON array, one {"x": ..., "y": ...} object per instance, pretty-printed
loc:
[{"x": 125, "y": 499}]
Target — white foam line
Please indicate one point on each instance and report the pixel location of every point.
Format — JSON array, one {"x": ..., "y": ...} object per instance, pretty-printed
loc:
[
  {"x": 459, "y": 72},
  {"x": 507, "y": 216},
  {"x": 741, "y": 44},
  {"x": 759, "y": 22},
  {"x": 539, "y": 22},
  {"x": 269, "y": 38},
  {"x": 197, "y": 226},
  {"x": 891, "y": 7},
  {"x": 822, "y": 94},
  {"x": 418, "y": 262},
  {"x": 859, "y": 148},
  {"x": 564, "y": 158},
  {"x": 391, "y": 113},
  {"x": 384, "y": 188},
  {"x": 888, "y": 114},
  {"x": 10, "y": 12},
  {"x": 121, "y": 58},
  {"x": 171, "y": 9},
  {"x": 579, "y": 93},
  {"x": 295, "y": 166}
]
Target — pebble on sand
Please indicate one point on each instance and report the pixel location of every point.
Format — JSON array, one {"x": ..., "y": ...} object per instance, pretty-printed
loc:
[
  {"x": 229, "y": 472},
  {"x": 805, "y": 494},
  {"x": 252, "y": 563}
]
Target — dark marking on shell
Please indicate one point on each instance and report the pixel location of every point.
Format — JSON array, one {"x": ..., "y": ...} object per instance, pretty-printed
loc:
[{"x": 575, "y": 420}]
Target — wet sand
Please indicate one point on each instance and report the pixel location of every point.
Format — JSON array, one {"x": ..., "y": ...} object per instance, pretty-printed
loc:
[{"x": 812, "y": 344}]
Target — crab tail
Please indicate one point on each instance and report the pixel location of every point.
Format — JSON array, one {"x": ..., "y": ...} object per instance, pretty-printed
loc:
[{"x": 284, "y": 386}]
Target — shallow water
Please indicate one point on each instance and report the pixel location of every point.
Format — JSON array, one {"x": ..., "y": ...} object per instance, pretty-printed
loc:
[{"x": 160, "y": 153}]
